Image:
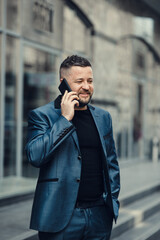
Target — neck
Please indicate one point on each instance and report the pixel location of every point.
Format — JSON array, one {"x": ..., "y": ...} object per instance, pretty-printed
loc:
[{"x": 81, "y": 108}]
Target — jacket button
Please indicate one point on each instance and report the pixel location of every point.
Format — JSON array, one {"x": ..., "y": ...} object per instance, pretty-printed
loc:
[
  {"x": 79, "y": 157},
  {"x": 78, "y": 179}
]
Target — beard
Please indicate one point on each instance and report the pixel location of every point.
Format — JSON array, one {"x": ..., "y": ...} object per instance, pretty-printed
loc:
[{"x": 83, "y": 102}]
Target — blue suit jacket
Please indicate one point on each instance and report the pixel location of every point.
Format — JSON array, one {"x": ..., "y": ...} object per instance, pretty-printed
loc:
[{"x": 53, "y": 147}]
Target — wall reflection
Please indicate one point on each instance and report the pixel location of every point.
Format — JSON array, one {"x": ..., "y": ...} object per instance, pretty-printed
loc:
[
  {"x": 12, "y": 62},
  {"x": 39, "y": 89}
]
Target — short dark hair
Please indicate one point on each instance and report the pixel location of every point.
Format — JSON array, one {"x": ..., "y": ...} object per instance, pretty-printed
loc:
[{"x": 74, "y": 60}]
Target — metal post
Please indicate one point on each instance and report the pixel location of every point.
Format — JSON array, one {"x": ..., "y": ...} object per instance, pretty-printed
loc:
[
  {"x": 2, "y": 91},
  {"x": 19, "y": 113},
  {"x": 19, "y": 102}
]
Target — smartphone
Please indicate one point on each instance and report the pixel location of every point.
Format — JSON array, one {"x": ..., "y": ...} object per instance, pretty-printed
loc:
[{"x": 64, "y": 86}]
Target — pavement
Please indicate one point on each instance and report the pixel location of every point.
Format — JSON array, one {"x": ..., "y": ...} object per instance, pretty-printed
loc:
[
  {"x": 136, "y": 176},
  {"x": 139, "y": 216},
  {"x": 14, "y": 187}
]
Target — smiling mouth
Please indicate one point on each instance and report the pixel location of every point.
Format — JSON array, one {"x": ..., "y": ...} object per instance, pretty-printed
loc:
[{"x": 84, "y": 94}]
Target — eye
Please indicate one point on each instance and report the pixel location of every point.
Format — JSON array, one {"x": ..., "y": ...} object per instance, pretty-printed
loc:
[
  {"x": 90, "y": 80},
  {"x": 79, "y": 81}
]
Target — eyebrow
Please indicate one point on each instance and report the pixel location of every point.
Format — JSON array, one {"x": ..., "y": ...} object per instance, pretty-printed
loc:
[{"x": 83, "y": 78}]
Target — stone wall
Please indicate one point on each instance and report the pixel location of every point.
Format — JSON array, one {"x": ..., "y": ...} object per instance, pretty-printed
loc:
[{"x": 126, "y": 72}]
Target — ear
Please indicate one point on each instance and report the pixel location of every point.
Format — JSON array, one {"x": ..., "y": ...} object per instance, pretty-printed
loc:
[{"x": 61, "y": 79}]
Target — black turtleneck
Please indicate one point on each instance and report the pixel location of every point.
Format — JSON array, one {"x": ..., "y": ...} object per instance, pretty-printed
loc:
[{"x": 91, "y": 184}]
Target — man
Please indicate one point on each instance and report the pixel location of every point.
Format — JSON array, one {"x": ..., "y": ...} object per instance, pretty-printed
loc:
[{"x": 72, "y": 144}]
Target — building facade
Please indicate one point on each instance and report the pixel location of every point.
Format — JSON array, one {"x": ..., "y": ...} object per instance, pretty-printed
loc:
[{"x": 120, "y": 38}]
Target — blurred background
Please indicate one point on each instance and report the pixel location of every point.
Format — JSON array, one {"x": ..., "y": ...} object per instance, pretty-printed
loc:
[{"x": 121, "y": 38}]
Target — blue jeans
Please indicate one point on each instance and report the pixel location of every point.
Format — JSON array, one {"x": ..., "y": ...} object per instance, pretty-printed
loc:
[{"x": 93, "y": 223}]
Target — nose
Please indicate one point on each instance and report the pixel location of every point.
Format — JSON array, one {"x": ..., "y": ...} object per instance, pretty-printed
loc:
[{"x": 85, "y": 85}]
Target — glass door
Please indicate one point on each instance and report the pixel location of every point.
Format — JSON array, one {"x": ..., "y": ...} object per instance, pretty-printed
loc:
[
  {"x": 1, "y": 109},
  {"x": 11, "y": 84},
  {"x": 39, "y": 80},
  {"x": 138, "y": 122}
]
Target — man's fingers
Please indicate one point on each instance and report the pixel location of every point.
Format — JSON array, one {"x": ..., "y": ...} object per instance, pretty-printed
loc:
[
  {"x": 69, "y": 100},
  {"x": 73, "y": 97},
  {"x": 75, "y": 102},
  {"x": 69, "y": 96},
  {"x": 64, "y": 96}
]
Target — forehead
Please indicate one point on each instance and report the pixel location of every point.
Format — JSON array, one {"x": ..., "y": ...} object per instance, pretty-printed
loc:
[{"x": 80, "y": 71}]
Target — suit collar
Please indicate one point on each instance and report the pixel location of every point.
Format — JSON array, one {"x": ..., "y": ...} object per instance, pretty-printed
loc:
[
  {"x": 91, "y": 107},
  {"x": 57, "y": 102}
]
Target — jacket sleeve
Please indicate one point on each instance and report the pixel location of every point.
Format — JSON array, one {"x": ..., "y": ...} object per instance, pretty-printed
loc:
[
  {"x": 43, "y": 139},
  {"x": 114, "y": 171}
]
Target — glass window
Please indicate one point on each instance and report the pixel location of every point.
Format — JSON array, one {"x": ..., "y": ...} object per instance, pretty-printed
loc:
[
  {"x": 39, "y": 89},
  {"x": 13, "y": 15},
  {"x": 0, "y": 77},
  {"x": 1, "y": 115},
  {"x": 144, "y": 27},
  {"x": 42, "y": 16},
  {"x": 1, "y": 12},
  {"x": 12, "y": 47},
  {"x": 0, "y": 53}
]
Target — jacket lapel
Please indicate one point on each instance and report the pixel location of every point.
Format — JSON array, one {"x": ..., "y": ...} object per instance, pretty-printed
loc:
[
  {"x": 75, "y": 138},
  {"x": 99, "y": 125},
  {"x": 57, "y": 104}
]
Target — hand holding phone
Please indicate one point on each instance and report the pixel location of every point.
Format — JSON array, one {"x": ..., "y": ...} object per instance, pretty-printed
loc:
[
  {"x": 69, "y": 100},
  {"x": 65, "y": 86}
]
